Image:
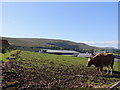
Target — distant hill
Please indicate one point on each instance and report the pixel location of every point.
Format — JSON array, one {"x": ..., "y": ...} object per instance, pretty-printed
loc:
[
  {"x": 37, "y": 43},
  {"x": 108, "y": 48}
]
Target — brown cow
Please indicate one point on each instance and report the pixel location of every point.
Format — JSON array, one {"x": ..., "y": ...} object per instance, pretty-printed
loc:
[{"x": 100, "y": 60}]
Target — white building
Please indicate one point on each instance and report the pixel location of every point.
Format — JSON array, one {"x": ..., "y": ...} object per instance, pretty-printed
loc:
[{"x": 59, "y": 52}]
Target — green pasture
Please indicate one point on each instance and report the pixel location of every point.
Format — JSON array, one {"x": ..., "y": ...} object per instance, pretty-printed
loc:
[{"x": 42, "y": 59}]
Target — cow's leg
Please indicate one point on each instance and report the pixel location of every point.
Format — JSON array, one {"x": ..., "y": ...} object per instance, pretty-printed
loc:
[
  {"x": 111, "y": 70},
  {"x": 100, "y": 70},
  {"x": 107, "y": 69},
  {"x": 112, "y": 67}
]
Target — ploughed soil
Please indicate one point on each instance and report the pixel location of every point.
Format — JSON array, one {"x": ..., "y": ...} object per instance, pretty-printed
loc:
[{"x": 15, "y": 76}]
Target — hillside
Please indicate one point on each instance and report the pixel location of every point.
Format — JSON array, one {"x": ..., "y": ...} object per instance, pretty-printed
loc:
[{"x": 37, "y": 43}]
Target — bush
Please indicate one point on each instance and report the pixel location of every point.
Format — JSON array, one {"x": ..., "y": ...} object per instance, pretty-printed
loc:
[{"x": 5, "y": 49}]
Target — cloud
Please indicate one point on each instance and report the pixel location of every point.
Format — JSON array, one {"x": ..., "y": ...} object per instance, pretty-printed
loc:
[{"x": 103, "y": 43}]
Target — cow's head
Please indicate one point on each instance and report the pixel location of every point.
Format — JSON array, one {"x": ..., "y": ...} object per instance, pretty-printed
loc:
[{"x": 89, "y": 62}]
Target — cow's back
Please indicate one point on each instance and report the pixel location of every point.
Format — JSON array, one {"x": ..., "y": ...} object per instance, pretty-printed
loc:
[{"x": 103, "y": 59}]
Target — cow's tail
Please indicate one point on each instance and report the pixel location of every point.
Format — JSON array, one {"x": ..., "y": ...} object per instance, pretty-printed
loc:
[{"x": 112, "y": 62}]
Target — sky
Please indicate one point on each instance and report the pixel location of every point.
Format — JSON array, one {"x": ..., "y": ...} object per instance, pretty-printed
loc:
[{"x": 93, "y": 23}]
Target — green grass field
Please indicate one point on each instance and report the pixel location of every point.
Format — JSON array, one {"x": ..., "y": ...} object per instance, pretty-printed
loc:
[{"x": 46, "y": 59}]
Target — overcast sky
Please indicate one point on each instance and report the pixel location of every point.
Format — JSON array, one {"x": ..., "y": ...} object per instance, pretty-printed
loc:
[{"x": 94, "y": 23}]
